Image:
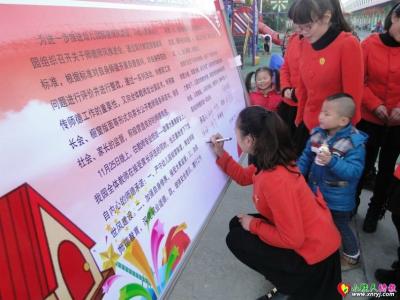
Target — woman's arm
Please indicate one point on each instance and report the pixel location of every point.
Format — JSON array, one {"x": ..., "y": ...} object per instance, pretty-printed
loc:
[
  {"x": 243, "y": 176},
  {"x": 352, "y": 67}
]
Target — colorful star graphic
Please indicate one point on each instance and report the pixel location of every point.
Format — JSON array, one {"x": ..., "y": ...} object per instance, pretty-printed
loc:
[{"x": 109, "y": 258}]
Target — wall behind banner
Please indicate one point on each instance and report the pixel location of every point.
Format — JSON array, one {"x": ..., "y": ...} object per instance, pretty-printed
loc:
[{"x": 105, "y": 176}]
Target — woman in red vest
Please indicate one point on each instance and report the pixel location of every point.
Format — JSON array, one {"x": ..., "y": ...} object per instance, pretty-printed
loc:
[
  {"x": 292, "y": 241},
  {"x": 330, "y": 62},
  {"x": 381, "y": 110}
]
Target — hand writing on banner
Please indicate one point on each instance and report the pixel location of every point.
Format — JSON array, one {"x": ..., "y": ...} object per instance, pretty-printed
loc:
[{"x": 218, "y": 147}]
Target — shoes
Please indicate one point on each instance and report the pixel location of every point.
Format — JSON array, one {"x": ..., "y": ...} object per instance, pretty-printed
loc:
[
  {"x": 385, "y": 276},
  {"x": 395, "y": 265},
  {"x": 348, "y": 263}
]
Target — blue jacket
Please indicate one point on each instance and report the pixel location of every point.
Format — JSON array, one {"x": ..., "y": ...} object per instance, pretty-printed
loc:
[{"x": 337, "y": 180}]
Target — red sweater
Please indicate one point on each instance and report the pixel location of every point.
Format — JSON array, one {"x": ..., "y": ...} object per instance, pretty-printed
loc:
[
  {"x": 338, "y": 68},
  {"x": 382, "y": 78},
  {"x": 270, "y": 101},
  {"x": 297, "y": 219},
  {"x": 289, "y": 74}
]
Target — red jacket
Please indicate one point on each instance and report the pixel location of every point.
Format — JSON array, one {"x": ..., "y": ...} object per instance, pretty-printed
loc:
[
  {"x": 296, "y": 218},
  {"x": 270, "y": 101},
  {"x": 382, "y": 78},
  {"x": 338, "y": 68},
  {"x": 289, "y": 74}
]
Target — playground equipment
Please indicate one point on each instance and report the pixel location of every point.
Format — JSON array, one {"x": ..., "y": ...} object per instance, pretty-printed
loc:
[{"x": 245, "y": 23}]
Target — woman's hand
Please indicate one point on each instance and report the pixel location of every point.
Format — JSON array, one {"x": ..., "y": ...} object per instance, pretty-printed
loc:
[
  {"x": 381, "y": 113},
  {"x": 395, "y": 116},
  {"x": 245, "y": 221},
  {"x": 288, "y": 93},
  {"x": 218, "y": 147}
]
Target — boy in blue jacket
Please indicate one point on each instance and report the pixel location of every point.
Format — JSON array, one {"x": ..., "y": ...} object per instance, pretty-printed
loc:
[{"x": 333, "y": 162}]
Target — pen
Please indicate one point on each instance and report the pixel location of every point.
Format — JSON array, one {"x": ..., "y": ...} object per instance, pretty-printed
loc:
[{"x": 220, "y": 140}]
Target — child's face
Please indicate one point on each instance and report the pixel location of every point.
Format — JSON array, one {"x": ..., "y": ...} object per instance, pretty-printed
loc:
[
  {"x": 263, "y": 80},
  {"x": 329, "y": 118}
]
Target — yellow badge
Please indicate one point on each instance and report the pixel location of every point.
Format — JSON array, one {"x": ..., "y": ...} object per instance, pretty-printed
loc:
[{"x": 322, "y": 61}]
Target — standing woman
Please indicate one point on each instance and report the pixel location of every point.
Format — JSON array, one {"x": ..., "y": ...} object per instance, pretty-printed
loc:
[
  {"x": 330, "y": 63},
  {"x": 290, "y": 77},
  {"x": 381, "y": 110},
  {"x": 290, "y": 80},
  {"x": 292, "y": 241}
]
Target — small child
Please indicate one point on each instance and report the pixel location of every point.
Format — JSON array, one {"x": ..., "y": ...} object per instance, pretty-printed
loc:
[
  {"x": 267, "y": 87},
  {"x": 266, "y": 94},
  {"x": 332, "y": 162}
]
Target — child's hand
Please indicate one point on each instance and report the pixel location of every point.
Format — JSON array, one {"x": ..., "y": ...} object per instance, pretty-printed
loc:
[
  {"x": 324, "y": 157},
  {"x": 245, "y": 221},
  {"x": 218, "y": 147}
]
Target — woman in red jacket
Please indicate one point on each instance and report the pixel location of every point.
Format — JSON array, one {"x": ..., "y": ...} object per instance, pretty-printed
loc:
[
  {"x": 293, "y": 241},
  {"x": 381, "y": 110},
  {"x": 289, "y": 77},
  {"x": 330, "y": 62}
]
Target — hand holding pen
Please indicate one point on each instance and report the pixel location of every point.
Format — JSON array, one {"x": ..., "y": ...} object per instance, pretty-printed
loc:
[{"x": 217, "y": 142}]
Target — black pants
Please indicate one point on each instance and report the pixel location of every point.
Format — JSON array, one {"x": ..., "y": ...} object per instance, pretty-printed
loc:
[
  {"x": 301, "y": 137},
  {"x": 288, "y": 114},
  {"x": 387, "y": 140},
  {"x": 287, "y": 270}
]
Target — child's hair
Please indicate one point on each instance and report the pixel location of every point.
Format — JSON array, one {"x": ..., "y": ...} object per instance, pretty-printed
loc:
[
  {"x": 346, "y": 106},
  {"x": 307, "y": 11},
  {"x": 273, "y": 145},
  {"x": 273, "y": 73},
  {"x": 394, "y": 11}
]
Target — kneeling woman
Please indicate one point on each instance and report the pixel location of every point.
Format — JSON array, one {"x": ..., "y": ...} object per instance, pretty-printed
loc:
[{"x": 293, "y": 241}]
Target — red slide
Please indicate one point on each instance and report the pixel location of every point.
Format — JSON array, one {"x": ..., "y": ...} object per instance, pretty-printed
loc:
[{"x": 264, "y": 29}]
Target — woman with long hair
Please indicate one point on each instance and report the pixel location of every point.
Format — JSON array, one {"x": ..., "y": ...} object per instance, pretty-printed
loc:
[{"x": 292, "y": 241}]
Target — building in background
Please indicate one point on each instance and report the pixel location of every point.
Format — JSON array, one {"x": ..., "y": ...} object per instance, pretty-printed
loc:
[{"x": 368, "y": 14}]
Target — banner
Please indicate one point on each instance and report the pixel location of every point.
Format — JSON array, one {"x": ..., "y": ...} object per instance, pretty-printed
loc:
[{"x": 106, "y": 178}]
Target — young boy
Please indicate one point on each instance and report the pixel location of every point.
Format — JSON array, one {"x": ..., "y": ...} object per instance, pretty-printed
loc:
[{"x": 332, "y": 162}]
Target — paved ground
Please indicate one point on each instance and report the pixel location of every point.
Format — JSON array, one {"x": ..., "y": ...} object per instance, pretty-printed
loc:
[{"x": 214, "y": 273}]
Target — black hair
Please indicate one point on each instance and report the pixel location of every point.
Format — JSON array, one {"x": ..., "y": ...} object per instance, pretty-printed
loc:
[
  {"x": 273, "y": 143},
  {"x": 307, "y": 11},
  {"x": 291, "y": 11},
  {"x": 273, "y": 73},
  {"x": 388, "y": 20},
  {"x": 346, "y": 107}
]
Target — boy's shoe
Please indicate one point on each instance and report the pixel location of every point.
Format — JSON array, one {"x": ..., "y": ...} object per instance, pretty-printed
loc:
[
  {"x": 385, "y": 276},
  {"x": 348, "y": 263}
]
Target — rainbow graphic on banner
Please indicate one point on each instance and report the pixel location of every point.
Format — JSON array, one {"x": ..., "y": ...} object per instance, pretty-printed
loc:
[{"x": 152, "y": 282}]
